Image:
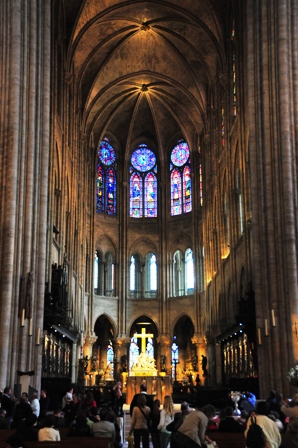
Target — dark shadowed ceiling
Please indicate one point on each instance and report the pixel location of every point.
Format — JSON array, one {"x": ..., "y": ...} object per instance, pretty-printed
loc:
[{"x": 145, "y": 68}]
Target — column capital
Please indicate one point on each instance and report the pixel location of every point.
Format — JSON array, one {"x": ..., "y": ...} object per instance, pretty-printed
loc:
[
  {"x": 90, "y": 338},
  {"x": 164, "y": 340}
]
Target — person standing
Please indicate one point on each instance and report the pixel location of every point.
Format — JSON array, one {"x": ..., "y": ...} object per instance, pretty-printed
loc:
[
  {"x": 44, "y": 404},
  {"x": 117, "y": 405},
  {"x": 7, "y": 403},
  {"x": 139, "y": 422},
  {"x": 166, "y": 417},
  {"x": 154, "y": 419}
]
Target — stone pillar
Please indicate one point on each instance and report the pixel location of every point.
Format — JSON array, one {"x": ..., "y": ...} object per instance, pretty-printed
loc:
[
  {"x": 165, "y": 350},
  {"x": 24, "y": 138},
  {"x": 88, "y": 348}
]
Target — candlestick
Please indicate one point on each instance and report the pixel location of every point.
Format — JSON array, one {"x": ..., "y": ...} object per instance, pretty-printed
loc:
[
  {"x": 23, "y": 318},
  {"x": 38, "y": 337},
  {"x": 273, "y": 318},
  {"x": 259, "y": 337},
  {"x": 266, "y": 328},
  {"x": 30, "y": 327}
]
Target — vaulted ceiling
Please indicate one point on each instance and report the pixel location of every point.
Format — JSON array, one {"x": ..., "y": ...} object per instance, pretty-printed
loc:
[{"x": 145, "y": 68}]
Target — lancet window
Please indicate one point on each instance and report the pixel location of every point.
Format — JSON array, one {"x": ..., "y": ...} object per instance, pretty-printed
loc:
[
  {"x": 104, "y": 274},
  {"x": 143, "y": 183},
  {"x": 106, "y": 180},
  {"x": 175, "y": 359},
  {"x": 183, "y": 273},
  {"x": 143, "y": 276},
  {"x": 181, "y": 185}
]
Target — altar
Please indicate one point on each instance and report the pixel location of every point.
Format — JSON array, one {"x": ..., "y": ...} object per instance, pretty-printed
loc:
[
  {"x": 144, "y": 371},
  {"x": 158, "y": 386}
]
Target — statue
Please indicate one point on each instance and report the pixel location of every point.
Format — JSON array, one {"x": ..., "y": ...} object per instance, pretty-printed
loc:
[
  {"x": 204, "y": 365},
  {"x": 194, "y": 362}
]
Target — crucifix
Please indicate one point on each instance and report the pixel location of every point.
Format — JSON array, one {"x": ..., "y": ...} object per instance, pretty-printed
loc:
[{"x": 143, "y": 337}]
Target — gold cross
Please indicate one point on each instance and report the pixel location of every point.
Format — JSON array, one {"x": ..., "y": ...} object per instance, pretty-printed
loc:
[{"x": 143, "y": 337}]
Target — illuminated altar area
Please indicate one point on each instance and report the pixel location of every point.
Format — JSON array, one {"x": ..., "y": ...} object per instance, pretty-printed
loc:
[{"x": 144, "y": 371}]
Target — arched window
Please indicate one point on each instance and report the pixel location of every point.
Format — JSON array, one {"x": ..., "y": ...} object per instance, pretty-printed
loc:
[
  {"x": 181, "y": 185},
  {"x": 239, "y": 203},
  {"x": 175, "y": 359},
  {"x": 104, "y": 274},
  {"x": 150, "y": 276},
  {"x": 135, "y": 276},
  {"x": 106, "y": 184},
  {"x": 178, "y": 274},
  {"x": 143, "y": 183},
  {"x": 109, "y": 275},
  {"x": 134, "y": 351},
  {"x": 110, "y": 358},
  {"x": 189, "y": 272}
]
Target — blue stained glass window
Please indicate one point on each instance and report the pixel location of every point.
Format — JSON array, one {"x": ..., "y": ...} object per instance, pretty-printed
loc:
[
  {"x": 100, "y": 189},
  {"x": 143, "y": 183},
  {"x": 180, "y": 154},
  {"x": 134, "y": 351},
  {"x": 187, "y": 203},
  {"x": 181, "y": 185},
  {"x": 111, "y": 192},
  {"x": 150, "y": 196},
  {"x": 175, "y": 359},
  {"x": 136, "y": 196},
  {"x": 143, "y": 159},
  {"x": 106, "y": 152},
  {"x": 106, "y": 184},
  {"x": 176, "y": 200}
]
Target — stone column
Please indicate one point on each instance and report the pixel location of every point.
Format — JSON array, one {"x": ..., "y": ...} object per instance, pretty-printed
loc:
[
  {"x": 165, "y": 349},
  {"x": 25, "y": 138}
]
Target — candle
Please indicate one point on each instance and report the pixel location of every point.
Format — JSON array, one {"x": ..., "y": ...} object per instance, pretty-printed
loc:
[
  {"x": 30, "y": 327},
  {"x": 266, "y": 328},
  {"x": 38, "y": 337},
  {"x": 273, "y": 318},
  {"x": 23, "y": 318},
  {"x": 259, "y": 337}
]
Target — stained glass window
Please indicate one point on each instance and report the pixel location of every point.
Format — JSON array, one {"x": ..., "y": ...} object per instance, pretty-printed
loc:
[
  {"x": 106, "y": 182},
  {"x": 143, "y": 183},
  {"x": 189, "y": 272},
  {"x": 134, "y": 351},
  {"x": 150, "y": 195},
  {"x": 176, "y": 199},
  {"x": 150, "y": 348},
  {"x": 187, "y": 190},
  {"x": 181, "y": 185},
  {"x": 136, "y": 196},
  {"x": 175, "y": 359}
]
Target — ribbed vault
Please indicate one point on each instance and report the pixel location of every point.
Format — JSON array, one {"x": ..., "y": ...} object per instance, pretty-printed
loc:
[{"x": 146, "y": 68}]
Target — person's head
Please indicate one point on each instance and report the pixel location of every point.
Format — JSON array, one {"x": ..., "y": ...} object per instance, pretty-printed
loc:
[
  {"x": 156, "y": 403},
  {"x": 81, "y": 419},
  {"x": 33, "y": 396},
  {"x": 262, "y": 408},
  {"x": 58, "y": 412},
  {"x": 143, "y": 387},
  {"x": 168, "y": 405},
  {"x": 184, "y": 406},
  {"x": 7, "y": 390},
  {"x": 68, "y": 397},
  {"x": 141, "y": 401},
  {"x": 293, "y": 425},
  {"x": 2, "y": 412},
  {"x": 272, "y": 394},
  {"x": 229, "y": 411},
  {"x": 49, "y": 421},
  {"x": 43, "y": 393},
  {"x": 103, "y": 413},
  {"x": 209, "y": 410}
]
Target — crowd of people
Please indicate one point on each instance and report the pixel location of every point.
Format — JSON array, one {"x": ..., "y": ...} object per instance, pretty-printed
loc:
[
  {"x": 275, "y": 419},
  {"x": 33, "y": 419}
]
